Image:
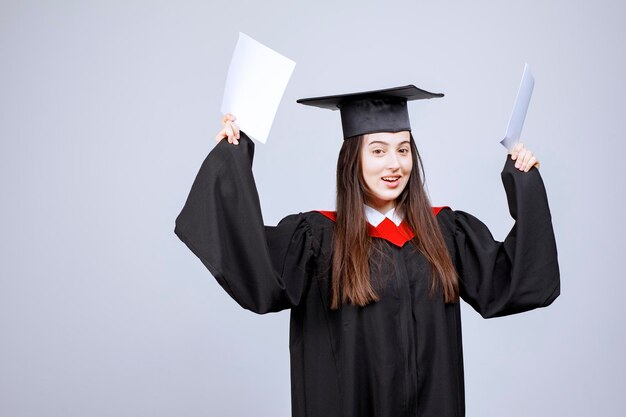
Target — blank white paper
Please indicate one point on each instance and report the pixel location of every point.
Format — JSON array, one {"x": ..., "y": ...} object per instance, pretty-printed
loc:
[{"x": 257, "y": 78}]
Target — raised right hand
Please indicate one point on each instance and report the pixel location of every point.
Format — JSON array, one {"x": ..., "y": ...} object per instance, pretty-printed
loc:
[{"x": 229, "y": 130}]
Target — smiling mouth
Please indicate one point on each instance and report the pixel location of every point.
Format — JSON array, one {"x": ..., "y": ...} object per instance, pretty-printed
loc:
[{"x": 391, "y": 179}]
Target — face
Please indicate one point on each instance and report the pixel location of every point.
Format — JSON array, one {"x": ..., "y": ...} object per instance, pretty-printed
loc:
[{"x": 386, "y": 163}]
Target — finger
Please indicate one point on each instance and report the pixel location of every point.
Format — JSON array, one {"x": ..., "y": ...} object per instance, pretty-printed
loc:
[
  {"x": 531, "y": 163},
  {"x": 235, "y": 129},
  {"x": 520, "y": 158},
  {"x": 229, "y": 133},
  {"x": 228, "y": 117},
  {"x": 525, "y": 161},
  {"x": 233, "y": 138},
  {"x": 516, "y": 149}
]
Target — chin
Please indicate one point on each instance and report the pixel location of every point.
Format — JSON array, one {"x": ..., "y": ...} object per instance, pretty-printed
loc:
[
  {"x": 385, "y": 198},
  {"x": 389, "y": 195}
]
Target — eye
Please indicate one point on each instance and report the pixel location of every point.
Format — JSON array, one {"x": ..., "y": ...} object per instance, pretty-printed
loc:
[
  {"x": 404, "y": 150},
  {"x": 377, "y": 151}
]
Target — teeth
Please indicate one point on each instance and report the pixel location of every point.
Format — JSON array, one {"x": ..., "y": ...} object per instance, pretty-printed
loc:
[{"x": 390, "y": 178}]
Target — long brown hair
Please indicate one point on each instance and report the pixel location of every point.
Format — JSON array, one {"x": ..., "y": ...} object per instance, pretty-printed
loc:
[{"x": 352, "y": 245}]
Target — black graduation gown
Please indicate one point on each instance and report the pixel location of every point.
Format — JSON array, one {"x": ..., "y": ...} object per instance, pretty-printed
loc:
[{"x": 400, "y": 356}]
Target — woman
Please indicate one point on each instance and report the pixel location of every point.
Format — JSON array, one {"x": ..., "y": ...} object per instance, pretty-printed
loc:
[{"x": 373, "y": 288}]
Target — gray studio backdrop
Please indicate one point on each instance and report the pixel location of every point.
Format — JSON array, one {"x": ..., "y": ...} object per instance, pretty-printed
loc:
[{"x": 107, "y": 110}]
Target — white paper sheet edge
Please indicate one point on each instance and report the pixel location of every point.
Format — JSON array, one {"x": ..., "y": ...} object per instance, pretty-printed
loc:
[{"x": 520, "y": 108}]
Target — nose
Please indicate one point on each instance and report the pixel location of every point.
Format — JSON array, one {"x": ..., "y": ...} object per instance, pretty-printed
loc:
[{"x": 393, "y": 163}]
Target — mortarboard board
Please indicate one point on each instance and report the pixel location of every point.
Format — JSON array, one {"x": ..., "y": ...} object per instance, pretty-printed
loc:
[{"x": 372, "y": 111}]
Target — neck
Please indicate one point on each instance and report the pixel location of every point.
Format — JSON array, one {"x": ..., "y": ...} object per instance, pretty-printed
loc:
[{"x": 381, "y": 206}]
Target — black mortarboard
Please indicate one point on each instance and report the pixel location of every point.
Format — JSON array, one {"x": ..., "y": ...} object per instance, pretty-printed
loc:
[{"x": 372, "y": 111}]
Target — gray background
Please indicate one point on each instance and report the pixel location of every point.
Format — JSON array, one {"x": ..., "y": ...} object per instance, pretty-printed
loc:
[{"x": 107, "y": 110}]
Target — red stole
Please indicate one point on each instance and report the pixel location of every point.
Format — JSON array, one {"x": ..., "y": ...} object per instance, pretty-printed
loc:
[{"x": 398, "y": 235}]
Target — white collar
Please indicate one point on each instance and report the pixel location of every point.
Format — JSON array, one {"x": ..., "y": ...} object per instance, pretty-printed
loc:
[{"x": 375, "y": 217}]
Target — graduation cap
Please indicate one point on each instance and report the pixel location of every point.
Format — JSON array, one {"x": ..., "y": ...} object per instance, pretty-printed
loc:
[{"x": 372, "y": 111}]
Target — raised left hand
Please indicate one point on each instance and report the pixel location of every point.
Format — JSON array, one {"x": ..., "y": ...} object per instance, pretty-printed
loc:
[
  {"x": 524, "y": 158},
  {"x": 229, "y": 130}
]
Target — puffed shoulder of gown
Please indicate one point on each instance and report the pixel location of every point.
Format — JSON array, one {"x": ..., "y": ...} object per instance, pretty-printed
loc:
[{"x": 269, "y": 269}]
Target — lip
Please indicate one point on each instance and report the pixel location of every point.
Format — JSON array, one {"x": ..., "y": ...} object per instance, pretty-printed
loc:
[{"x": 391, "y": 184}]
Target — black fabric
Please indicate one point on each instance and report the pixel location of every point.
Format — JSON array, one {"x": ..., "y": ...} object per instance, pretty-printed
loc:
[
  {"x": 401, "y": 356},
  {"x": 374, "y": 115}
]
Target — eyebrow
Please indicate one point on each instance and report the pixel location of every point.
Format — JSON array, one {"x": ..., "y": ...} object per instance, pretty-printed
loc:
[{"x": 382, "y": 142}]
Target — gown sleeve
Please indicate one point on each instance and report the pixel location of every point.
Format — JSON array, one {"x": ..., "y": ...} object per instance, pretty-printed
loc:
[
  {"x": 264, "y": 269},
  {"x": 519, "y": 274}
]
